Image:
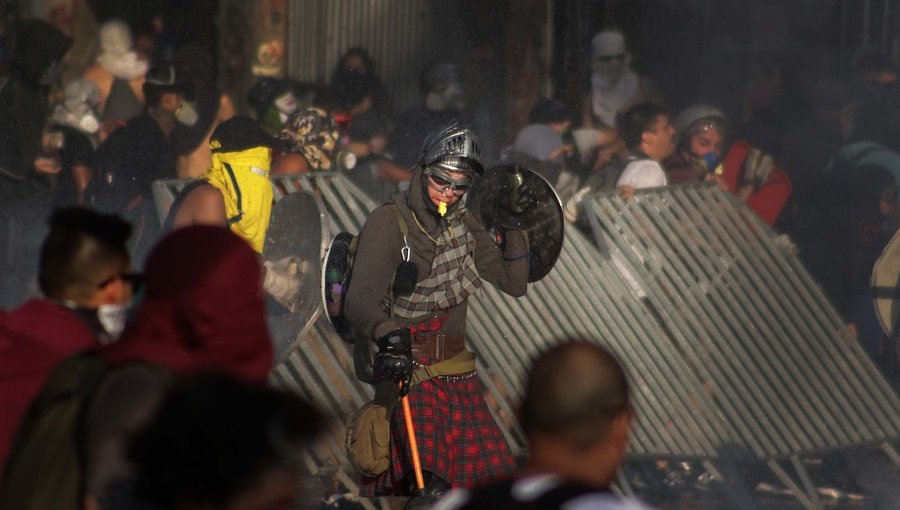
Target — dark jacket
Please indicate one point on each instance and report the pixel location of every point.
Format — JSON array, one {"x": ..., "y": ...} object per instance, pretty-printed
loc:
[
  {"x": 129, "y": 161},
  {"x": 23, "y": 99},
  {"x": 33, "y": 339}
]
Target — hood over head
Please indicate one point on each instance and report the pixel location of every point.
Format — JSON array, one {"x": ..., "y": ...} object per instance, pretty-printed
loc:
[
  {"x": 39, "y": 46},
  {"x": 203, "y": 308}
]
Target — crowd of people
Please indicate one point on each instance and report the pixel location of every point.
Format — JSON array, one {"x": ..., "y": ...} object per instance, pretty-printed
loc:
[{"x": 162, "y": 323}]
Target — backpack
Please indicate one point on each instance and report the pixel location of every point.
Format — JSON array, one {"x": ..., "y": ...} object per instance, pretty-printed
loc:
[
  {"x": 336, "y": 277},
  {"x": 46, "y": 466}
]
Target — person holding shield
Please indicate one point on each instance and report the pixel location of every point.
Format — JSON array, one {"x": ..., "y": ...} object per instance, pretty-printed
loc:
[{"x": 420, "y": 256}]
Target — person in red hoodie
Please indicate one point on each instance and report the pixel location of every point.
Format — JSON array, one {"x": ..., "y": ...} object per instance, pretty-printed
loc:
[
  {"x": 203, "y": 308},
  {"x": 84, "y": 273},
  {"x": 202, "y": 311}
]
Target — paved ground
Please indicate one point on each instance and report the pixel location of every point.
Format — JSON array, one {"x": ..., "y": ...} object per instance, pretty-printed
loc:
[{"x": 862, "y": 472}]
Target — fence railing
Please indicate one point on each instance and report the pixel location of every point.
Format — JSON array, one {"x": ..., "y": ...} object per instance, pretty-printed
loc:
[{"x": 727, "y": 340}]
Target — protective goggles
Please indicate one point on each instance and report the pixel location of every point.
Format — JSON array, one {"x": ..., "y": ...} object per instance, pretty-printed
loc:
[{"x": 443, "y": 182}]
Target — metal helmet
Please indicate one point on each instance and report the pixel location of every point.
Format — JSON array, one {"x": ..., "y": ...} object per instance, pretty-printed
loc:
[
  {"x": 695, "y": 113},
  {"x": 453, "y": 147}
]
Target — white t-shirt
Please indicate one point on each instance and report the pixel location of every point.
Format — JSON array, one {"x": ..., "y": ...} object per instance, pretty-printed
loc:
[
  {"x": 528, "y": 490},
  {"x": 642, "y": 173}
]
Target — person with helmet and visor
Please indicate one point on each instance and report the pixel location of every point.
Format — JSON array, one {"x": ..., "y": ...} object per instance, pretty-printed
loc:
[
  {"x": 420, "y": 256},
  {"x": 744, "y": 171},
  {"x": 701, "y": 131}
]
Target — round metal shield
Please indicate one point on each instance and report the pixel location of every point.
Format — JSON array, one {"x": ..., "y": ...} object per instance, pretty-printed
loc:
[
  {"x": 295, "y": 232},
  {"x": 337, "y": 266},
  {"x": 496, "y": 198},
  {"x": 886, "y": 287}
]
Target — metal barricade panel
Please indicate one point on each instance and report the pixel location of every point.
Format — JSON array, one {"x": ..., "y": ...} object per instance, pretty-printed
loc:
[
  {"x": 771, "y": 353},
  {"x": 726, "y": 339},
  {"x": 584, "y": 295}
]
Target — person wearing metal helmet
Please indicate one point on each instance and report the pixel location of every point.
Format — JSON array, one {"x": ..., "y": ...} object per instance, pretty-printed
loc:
[
  {"x": 743, "y": 170},
  {"x": 701, "y": 132},
  {"x": 420, "y": 256}
]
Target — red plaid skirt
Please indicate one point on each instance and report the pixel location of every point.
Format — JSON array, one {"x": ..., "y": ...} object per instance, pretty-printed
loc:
[{"x": 457, "y": 437}]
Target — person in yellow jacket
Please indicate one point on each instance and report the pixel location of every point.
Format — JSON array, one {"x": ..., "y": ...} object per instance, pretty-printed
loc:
[{"x": 235, "y": 192}]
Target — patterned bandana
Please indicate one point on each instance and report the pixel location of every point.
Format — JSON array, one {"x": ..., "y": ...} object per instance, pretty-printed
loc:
[
  {"x": 314, "y": 134},
  {"x": 453, "y": 277}
]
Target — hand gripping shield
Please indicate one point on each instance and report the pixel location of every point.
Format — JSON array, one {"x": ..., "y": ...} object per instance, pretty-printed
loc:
[{"x": 514, "y": 197}]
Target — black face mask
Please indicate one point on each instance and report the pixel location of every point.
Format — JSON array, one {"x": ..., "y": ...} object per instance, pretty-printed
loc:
[{"x": 50, "y": 76}]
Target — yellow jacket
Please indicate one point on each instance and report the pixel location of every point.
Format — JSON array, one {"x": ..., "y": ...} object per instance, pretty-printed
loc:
[{"x": 243, "y": 179}]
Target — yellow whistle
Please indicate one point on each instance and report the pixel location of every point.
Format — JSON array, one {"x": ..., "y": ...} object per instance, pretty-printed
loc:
[{"x": 442, "y": 208}]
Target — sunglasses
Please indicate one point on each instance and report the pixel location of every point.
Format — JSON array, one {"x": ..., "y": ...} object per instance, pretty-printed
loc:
[
  {"x": 442, "y": 185},
  {"x": 135, "y": 279}
]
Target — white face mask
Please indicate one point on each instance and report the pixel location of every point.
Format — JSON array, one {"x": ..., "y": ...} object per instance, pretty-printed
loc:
[
  {"x": 609, "y": 70},
  {"x": 113, "y": 318},
  {"x": 89, "y": 123},
  {"x": 187, "y": 114},
  {"x": 450, "y": 98}
]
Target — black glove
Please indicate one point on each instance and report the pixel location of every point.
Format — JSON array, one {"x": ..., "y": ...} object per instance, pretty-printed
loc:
[
  {"x": 521, "y": 197},
  {"x": 393, "y": 361}
]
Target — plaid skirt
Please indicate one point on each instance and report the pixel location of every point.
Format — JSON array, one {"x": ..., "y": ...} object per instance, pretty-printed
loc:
[{"x": 457, "y": 437}]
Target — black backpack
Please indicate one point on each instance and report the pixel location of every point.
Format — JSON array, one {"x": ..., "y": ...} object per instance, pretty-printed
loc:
[
  {"x": 336, "y": 277},
  {"x": 46, "y": 465}
]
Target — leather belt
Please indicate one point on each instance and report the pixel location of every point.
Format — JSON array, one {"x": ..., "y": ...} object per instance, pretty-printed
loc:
[{"x": 436, "y": 346}]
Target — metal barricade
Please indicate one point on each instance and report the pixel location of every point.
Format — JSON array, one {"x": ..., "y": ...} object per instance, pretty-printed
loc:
[
  {"x": 727, "y": 340},
  {"x": 774, "y": 360},
  {"x": 318, "y": 363}
]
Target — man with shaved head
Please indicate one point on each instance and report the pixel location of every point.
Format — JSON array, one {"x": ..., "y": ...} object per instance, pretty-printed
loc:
[{"x": 577, "y": 417}]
